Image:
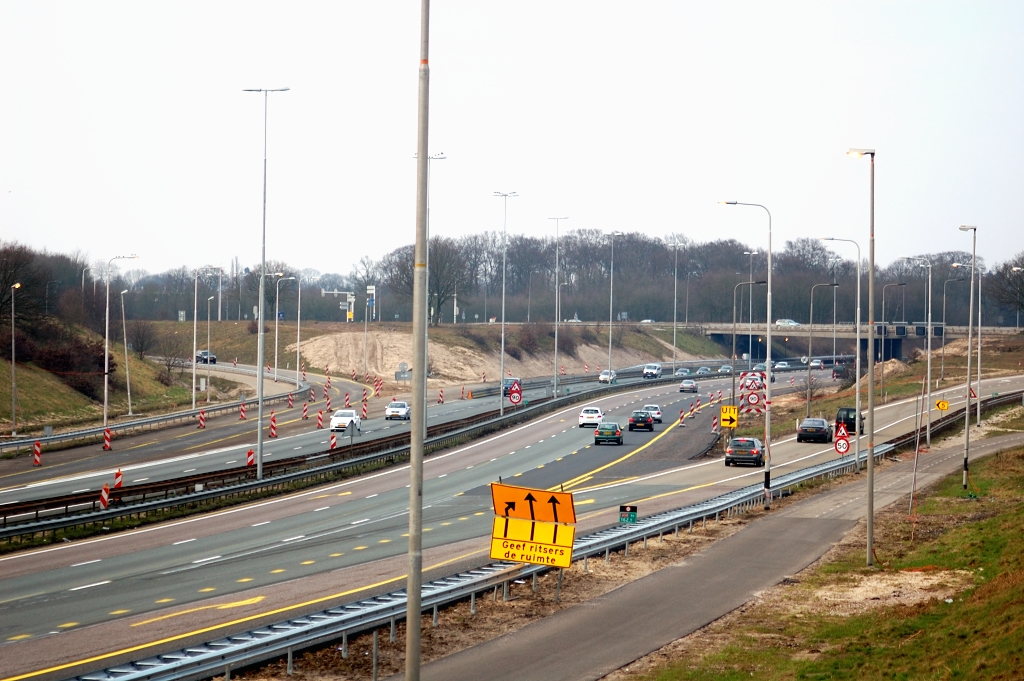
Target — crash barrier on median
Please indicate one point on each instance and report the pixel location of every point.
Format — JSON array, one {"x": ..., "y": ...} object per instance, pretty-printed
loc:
[
  {"x": 284, "y": 638},
  {"x": 87, "y": 435}
]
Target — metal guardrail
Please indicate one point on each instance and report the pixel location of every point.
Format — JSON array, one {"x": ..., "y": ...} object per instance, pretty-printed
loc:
[
  {"x": 219, "y": 656},
  {"x": 96, "y": 434}
]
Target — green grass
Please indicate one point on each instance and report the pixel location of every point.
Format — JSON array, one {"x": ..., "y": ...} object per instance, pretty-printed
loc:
[{"x": 977, "y": 636}]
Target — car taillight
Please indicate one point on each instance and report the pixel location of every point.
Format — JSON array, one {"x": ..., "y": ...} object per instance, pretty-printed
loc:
[
  {"x": 618, "y": 432},
  {"x": 729, "y": 451},
  {"x": 754, "y": 452},
  {"x": 597, "y": 432},
  {"x": 631, "y": 420}
]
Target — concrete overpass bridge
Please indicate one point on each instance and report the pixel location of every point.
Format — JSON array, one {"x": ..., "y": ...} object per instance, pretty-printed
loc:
[{"x": 888, "y": 341}]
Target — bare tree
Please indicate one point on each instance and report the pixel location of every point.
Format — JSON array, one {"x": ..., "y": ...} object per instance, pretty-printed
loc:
[
  {"x": 175, "y": 350},
  {"x": 142, "y": 336}
]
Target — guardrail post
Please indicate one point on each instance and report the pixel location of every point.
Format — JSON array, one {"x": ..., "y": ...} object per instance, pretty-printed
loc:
[
  {"x": 227, "y": 672},
  {"x": 585, "y": 563},
  {"x": 535, "y": 582},
  {"x": 627, "y": 548},
  {"x": 472, "y": 611},
  {"x": 504, "y": 591},
  {"x": 645, "y": 542},
  {"x": 290, "y": 668},
  {"x": 344, "y": 645},
  {"x": 393, "y": 626},
  {"x": 606, "y": 555},
  {"x": 558, "y": 587},
  {"x": 434, "y": 621},
  {"x": 374, "y": 655}
]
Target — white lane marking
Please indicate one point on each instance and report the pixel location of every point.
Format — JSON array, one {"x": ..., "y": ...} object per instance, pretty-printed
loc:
[
  {"x": 468, "y": 467},
  {"x": 89, "y": 586},
  {"x": 183, "y": 541},
  {"x": 296, "y": 449},
  {"x": 79, "y": 491},
  {"x": 140, "y": 480},
  {"x": 371, "y": 496},
  {"x": 205, "y": 560},
  {"x": 443, "y": 475},
  {"x": 357, "y": 522},
  {"x": 322, "y": 508},
  {"x": 229, "y": 462},
  {"x": 292, "y": 538},
  {"x": 88, "y": 562},
  {"x": 265, "y": 522},
  {"x": 190, "y": 470}
]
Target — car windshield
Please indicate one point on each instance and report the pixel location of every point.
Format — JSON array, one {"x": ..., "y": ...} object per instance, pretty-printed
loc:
[
  {"x": 641, "y": 414},
  {"x": 651, "y": 407},
  {"x": 608, "y": 426},
  {"x": 397, "y": 405},
  {"x": 743, "y": 443},
  {"x": 813, "y": 423},
  {"x": 590, "y": 411},
  {"x": 345, "y": 414}
]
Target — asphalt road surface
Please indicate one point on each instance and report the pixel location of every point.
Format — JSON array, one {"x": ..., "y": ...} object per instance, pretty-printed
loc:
[{"x": 210, "y": 575}]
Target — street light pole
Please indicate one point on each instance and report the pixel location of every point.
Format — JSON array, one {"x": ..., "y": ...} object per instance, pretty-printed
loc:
[
  {"x": 750, "y": 313},
  {"x": 14, "y": 381},
  {"x": 611, "y": 293},
  {"x": 127, "y": 372},
  {"x": 106, "y": 343},
  {"x": 277, "y": 321},
  {"x": 261, "y": 344},
  {"x": 857, "y": 421},
  {"x": 981, "y": 272},
  {"x": 750, "y": 283},
  {"x": 298, "y": 332},
  {"x": 504, "y": 248},
  {"x": 558, "y": 290},
  {"x": 767, "y": 363},
  {"x": 942, "y": 354},
  {"x": 84, "y": 270},
  {"x": 675, "y": 301},
  {"x": 881, "y": 388},
  {"x": 1015, "y": 270},
  {"x": 928, "y": 331},
  {"x": 207, "y": 350},
  {"x": 810, "y": 336},
  {"x": 860, "y": 153},
  {"x": 970, "y": 328}
]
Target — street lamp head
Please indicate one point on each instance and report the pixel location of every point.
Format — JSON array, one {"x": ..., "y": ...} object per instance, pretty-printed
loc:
[
  {"x": 124, "y": 292},
  {"x": 207, "y": 300},
  {"x": 860, "y": 153},
  {"x": 761, "y": 283},
  {"x": 751, "y": 254},
  {"x": 17, "y": 285},
  {"x": 727, "y": 203},
  {"x": 1017, "y": 269},
  {"x": 279, "y": 89},
  {"x": 967, "y": 228},
  {"x": 506, "y": 194},
  {"x": 957, "y": 265}
]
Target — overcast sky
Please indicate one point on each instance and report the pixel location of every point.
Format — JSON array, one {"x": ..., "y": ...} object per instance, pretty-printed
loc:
[{"x": 124, "y": 128}]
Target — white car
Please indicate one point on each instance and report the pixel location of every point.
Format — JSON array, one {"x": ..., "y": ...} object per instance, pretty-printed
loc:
[
  {"x": 345, "y": 417},
  {"x": 817, "y": 364},
  {"x": 591, "y": 416},
  {"x": 652, "y": 370},
  {"x": 607, "y": 376},
  {"x": 655, "y": 412},
  {"x": 782, "y": 365},
  {"x": 397, "y": 410},
  {"x": 786, "y": 323}
]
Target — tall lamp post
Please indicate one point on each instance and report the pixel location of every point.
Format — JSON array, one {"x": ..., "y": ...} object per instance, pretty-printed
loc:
[
  {"x": 14, "y": 381},
  {"x": 860, "y": 153},
  {"x": 298, "y": 332},
  {"x": 675, "y": 301},
  {"x": 881, "y": 388},
  {"x": 84, "y": 270},
  {"x": 504, "y": 247},
  {"x": 558, "y": 291},
  {"x": 970, "y": 327},
  {"x": 928, "y": 330},
  {"x": 260, "y": 344},
  {"x": 942, "y": 354},
  {"x": 750, "y": 313},
  {"x": 127, "y": 372},
  {"x": 106, "y": 342},
  {"x": 1016, "y": 270},
  {"x": 767, "y": 362},
  {"x": 277, "y": 307},
  {"x": 208, "y": 347},
  {"x": 735, "y": 288},
  {"x": 810, "y": 336},
  {"x": 611, "y": 293}
]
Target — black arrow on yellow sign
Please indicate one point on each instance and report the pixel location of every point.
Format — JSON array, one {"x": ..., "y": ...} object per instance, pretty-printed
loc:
[
  {"x": 729, "y": 421},
  {"x": 530, "y": 498},
  {"x": 554, "y": 506}
]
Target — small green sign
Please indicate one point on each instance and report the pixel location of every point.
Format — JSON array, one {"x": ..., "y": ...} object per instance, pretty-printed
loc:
[{"x": 627, "y": 514}]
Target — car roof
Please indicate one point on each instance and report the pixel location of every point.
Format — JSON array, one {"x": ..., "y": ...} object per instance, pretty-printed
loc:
[
  {"x": 652, "y": 405},
  {"x": 814, "y": 419},
  {"x": 590, "y": 409},
  {"x": 345, "y": 412},
  {"x": 639, "y": 411}
]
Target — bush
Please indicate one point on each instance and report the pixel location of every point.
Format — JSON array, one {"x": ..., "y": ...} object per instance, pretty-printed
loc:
[
  {"x": 588, "y": 337},
  {"x": 253, "y": 327},
  {"x": 567, "y": 343},
  {"x": 513, "y": 351},
  {"x": 528, "y": 334}
]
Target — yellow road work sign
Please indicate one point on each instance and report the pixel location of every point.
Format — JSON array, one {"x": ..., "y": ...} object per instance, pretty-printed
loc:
[
  {"x": 525, "y": 541},
  {"x": 941, "y": 405},
  {"x": 729, "y": 416},
  {"x": 532, "y": 504}
]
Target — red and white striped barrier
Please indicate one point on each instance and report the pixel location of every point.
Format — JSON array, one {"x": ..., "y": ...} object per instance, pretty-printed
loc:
[
  {"x": 347, "y": 402},
  {"x": 586, "y": 368},
  {"x": 484, "y": 378},
  {"x": 509, "y": 372},
  {"x": 364, "y": 394},
  {"x": 37, "y": 453},
  {"x": 325, "y": 392},
  {"x": 202, "y": 419},
  {"x": 682, "y": 418},
  {"x": 328, "y": 384},
  {"x": 106, "y": 439},
  {"x": 303, "y": 370},
  {"x": 792, "y": 381},
  {"x": 268, "y": 368},
  {"x": 364, "y": 410},
  {"x": 105, "y": 496},
  {"x": 598, "y": 368},
  {"x": 320, "y": 419},
  {"x": 366, "y": 377},
  {"x": 291, "y": 401},
  {"x": 698, "y": 404},
  {"x": 118, "y": 479},
  {"x": 327, "y": 369},
  {"x": 562, "y": 370},
  {"x": 714, "y": 425},
  {"x": 691, "y": 409},
  {"x": 328, "y": 406},
  {"x": 273, "y": 425},
  {"x": 463, "y": 396},
  {"x": 334, "y": 441},
  {"x": 305, "y": 410},
  {"x": 440, "y": 396},
  {"x": 353, "y": 374},
  {"x": 241, "y": 411},
  {"x": 250, "y": 458},
  {"x": 235, "y": 363},
  {"x": 719, "y": 395}
]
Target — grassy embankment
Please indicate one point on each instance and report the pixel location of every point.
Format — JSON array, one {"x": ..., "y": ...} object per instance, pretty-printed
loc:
[{"x": 975, "y": 634}]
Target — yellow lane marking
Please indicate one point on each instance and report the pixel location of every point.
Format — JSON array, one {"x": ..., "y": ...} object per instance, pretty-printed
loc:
[
  {"x": 463, "y": 518},
  {"x": 207, "y": 590},
  {"x": 344, "y": 494},
  {"x": 243, "y": 580},
  {"x": 164, "y": 600},
  {"x": 67, "y": 625},
  {"x": 322, "y": 496},
  {"x": 360, "y": 548},
  {"x": 479, "y": 513},
  {"x": 384, "y": 541},
  {"x": 307, "y": 562},
  {"x": 428, "y": 529},
  {"x": 277, "y": 571},
  {"x": 580, "y": 503},
  {"x": 223, "y": 606},
  {"x": 579, "y": 479},
  {"x": 232, "y": 623},
  {"x": 20, "y": 637},
  {"x": 120, "y": 612},
  {"x": 335, "y": 555},
  {"x": 443, "y": 524}
]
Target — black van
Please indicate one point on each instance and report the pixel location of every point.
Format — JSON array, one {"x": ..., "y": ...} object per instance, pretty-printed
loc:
[{"x": 846, "y": 417}]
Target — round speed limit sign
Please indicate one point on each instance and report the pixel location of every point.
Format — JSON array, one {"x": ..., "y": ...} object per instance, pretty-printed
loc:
[
  {"x": 842, "y": 445},
  {"x": 515, "y": 397},
  {"x": 753, "y": 398}
]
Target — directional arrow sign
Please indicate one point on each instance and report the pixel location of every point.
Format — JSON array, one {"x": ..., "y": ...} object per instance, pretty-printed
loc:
[
  {"x": 942, "y": 405},
  {"x": 729, "y": 416},
  {"x": 525, "y": 541},
  {"x": 532, "y": 504}
]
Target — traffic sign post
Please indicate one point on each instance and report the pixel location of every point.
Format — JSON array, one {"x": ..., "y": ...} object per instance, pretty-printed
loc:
[
  {"x": 627, "y": 514},
  {"x": 729, "y": 415},
  {"x": 515, "y": 393}
]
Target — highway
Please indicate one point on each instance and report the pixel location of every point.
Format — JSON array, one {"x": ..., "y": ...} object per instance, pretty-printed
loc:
[{"x": 256, "y": 561}]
